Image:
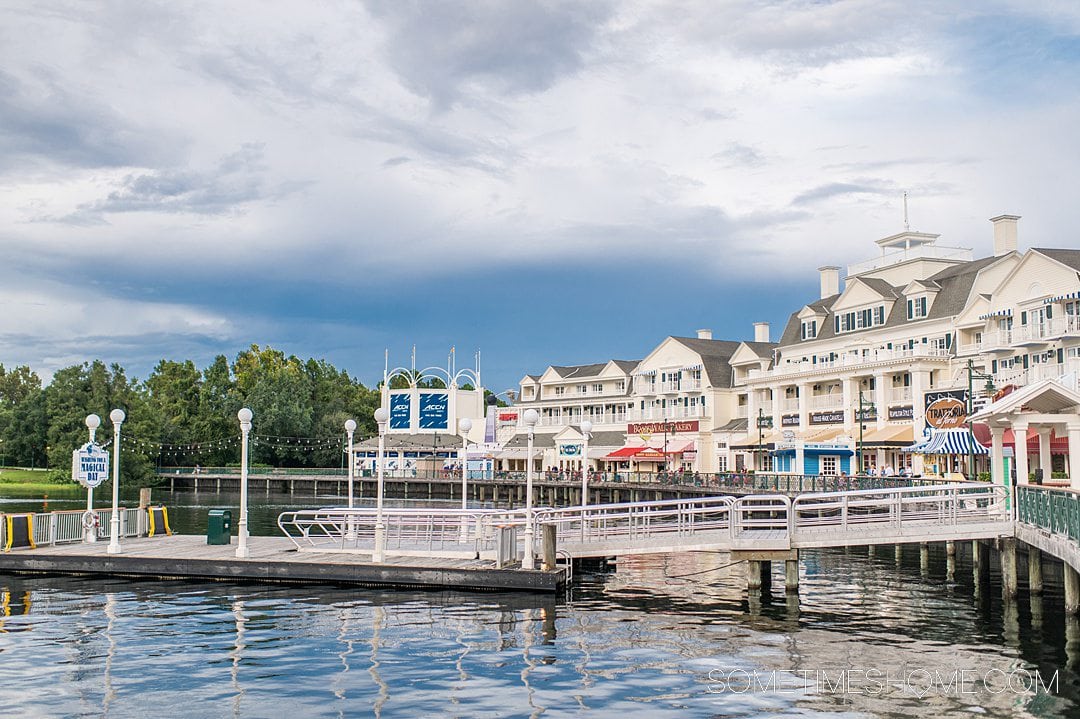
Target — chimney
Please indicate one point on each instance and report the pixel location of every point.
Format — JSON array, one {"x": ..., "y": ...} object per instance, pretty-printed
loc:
[
  {"x": 1004, "y": 234},
  {"x": 704, "y": 334},
  {"x": 761, "y": 331},
  {"x": 830, "y": 281}
]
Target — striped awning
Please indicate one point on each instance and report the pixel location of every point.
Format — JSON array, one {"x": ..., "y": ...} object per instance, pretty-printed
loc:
[
  {"x": 1060, "y": 298},
  {"x": 948, "y": 441},
  {"x": 646, "y": 373},
  {"x": 997, "y": 313},
  {"x": 691, "y": 367}
]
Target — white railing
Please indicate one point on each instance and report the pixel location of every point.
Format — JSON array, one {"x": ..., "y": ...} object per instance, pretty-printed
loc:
[
  {"x": 900, "y": 394},
  {"x": 662, "y": 413},
  {"x": 827, "y": 401},
  {"x": 67, "y": 526},
  {"x": 960, "y": 254},
  {"x": 919, "y": 351},
  {"x": 789, "y": 405},
  {"x": 640, "y": 521}
]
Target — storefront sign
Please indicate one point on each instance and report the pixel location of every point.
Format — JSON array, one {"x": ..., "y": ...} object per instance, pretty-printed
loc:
[
  {"x": 833, "y": 417},
  {"x": 946, "y": 410},
  {"x": 789, "y": 420},
  {"x": 569, "y": 450},
  {"x": 901, "y": 413},
  {"x": 764, "y": 422},
  {"x": 90, "y": 465},
  {"x": 662, "y": 427},
  {"x": 866, "y": 414}
]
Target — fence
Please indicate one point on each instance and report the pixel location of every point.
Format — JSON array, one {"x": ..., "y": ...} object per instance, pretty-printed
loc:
[{"x": 67, "y": 525}]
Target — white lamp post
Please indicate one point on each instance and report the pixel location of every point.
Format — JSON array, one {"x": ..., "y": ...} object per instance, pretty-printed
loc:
[
  {"x": 529, "y": 560},
  {"x": 244, "y": 415},
  {"x": 350, "y": 427},
  {"x": 586, "y": 432},
  {"x": 90, "y": 533},
  {"x": 382, "y": 416},
  {"x": 464, "y": 426},
  {"x": 117, "y": 416}
]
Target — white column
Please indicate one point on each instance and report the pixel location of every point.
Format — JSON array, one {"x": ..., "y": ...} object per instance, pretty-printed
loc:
[
  {"x": 851, "y": 400},
  {"x": 920, "y": 383},
  {"x": 997, "y": 457},
  {"x": 1020, "y": 435},
  {"x": 1074, "y": 456},
  {"x": 777, "y": 412},
  {"x": 117, "y": 416},
  {"x": 804, "y": 408},
  {"x": 1044, "y": 453},
  {"x": 242, "y": 552},
  {"x": 882, "y": 405}
]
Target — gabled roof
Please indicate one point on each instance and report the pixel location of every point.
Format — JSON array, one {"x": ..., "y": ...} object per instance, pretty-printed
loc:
[
  {"x": 627, "y": 366},
  {"x": 581, "y": 370},
  {"x": 880, "y": 286},
  {"x": 1069, "y": 258},
  {"x": 749, "y": 352},
  {"x": 715, "y": 357},
  {"x": 1047, "y": 396}
]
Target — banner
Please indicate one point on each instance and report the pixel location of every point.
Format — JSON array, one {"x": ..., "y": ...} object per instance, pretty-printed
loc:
[
  {"x": 434, "y": 410},
  {"x": 400, "y": 410},
  {"x": 946, "y": 409},
  {"x": 661, "y": 427}
]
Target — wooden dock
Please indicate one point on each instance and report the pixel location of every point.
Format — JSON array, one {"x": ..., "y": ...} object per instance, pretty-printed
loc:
[{"x": 273, "y": 560}]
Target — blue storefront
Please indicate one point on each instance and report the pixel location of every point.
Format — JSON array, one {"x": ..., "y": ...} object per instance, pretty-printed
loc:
[{"x": 817, "y": 459}]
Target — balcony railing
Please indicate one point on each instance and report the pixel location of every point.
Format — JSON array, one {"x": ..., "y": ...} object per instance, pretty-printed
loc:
[
  {"x": 827, "y": 401},
  {"x": 658, "y": 413},
  {"x": 1067, "y": 372},
  {"x": 900, "y": 394},
  {"x": 919, "y": 351},
  {"x": 959, "y": 254}
]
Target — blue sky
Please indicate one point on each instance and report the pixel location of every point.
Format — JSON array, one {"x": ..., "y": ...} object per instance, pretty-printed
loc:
[{"x": 548, "y": 182}]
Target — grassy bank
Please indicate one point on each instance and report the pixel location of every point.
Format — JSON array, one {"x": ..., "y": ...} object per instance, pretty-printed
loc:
[{"x": 20, "y": 482}]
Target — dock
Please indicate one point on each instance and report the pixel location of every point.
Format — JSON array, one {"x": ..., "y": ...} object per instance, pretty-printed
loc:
[{"x": 273, "y": 560}]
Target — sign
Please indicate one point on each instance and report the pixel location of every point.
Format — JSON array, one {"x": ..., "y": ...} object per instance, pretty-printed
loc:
[
  {"x": 90, "y": 465},
  {"x": 764, "y": 422},
  {"x": 789, "y": 436},
  {"x": 400, "y": 410},
  {"x": 901, "y": 413},
  {"x": 434, "y": 410},
  {"x": 789, "y": 420},
  {"x": 832, "y": 417},
  {"x": 867, "y": 413},
  {"x": 569, "y": 450},
  {"x": 508, "y": 416},
  {"x": 661, "y": 427},
  {"x": 947, "y": 409}
]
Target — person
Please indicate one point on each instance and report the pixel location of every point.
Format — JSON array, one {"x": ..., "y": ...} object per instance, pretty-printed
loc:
[
  {"x": 889, "y": 470},
  {"x": 904, "y": 472}
]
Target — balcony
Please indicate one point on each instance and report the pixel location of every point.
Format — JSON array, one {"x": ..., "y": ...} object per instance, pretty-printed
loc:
[
  {"x": 958, "y": 254},
  {"x": 1068, "y": 372},
  {"x": 849, "y": 361},
  {"x": 899, "y": 394},
  {"x": 827, "y": 401},
  {"x": 654, "y": 414},
  {"x": 789, "y": 405},
  {"x": 670, "y": 387}
]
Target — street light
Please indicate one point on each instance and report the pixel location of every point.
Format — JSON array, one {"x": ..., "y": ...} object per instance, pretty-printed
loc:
[
  {"x": 990, "y": 389},
  {"x": 89, "y": 533},
  {"x": 465, "y": 426},
  {"x": 586, "y": 433},
  {"x": 117, "y": 416},
  {"x": 529, "y": 560},
  {"x": 862, "y": 426},
  {"x": 350, "y": 427},
  {"x": 244, "y": 415},
  {"x": 382, "y": 416}
]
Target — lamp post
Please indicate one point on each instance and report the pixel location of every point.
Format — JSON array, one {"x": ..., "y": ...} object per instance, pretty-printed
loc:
[
  {"x": 117, "y": 416},
  {"x": 244, "y": 415},
  {"x": 529, "y": 560},
  {"x": 464, "y": 426},
  {"x": 586, "y": 433},
  {"x": 862, "y": 426},
  {"x": 350, "y": 427},
  {"x": 972, "y": 374},
  {"x": 759, "y": 464},
  {"x": 382, "y": 416},
  {"x": 90, "y": 533}
]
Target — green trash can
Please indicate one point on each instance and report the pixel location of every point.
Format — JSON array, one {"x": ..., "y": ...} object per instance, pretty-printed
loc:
[{"x": 219, "y": 526}]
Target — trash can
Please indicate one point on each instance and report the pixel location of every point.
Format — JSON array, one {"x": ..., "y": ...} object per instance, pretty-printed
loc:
[{"x": 219, "y": 526}]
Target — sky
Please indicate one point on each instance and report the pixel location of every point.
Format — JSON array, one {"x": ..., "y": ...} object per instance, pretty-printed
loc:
[{"x": 545, "y": 182}]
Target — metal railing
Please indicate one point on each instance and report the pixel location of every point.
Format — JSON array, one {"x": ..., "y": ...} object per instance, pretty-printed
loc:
[
  {"x": 1053, "y": 510},
  {"x": 66, "y": 526},
  {"x": 639, "y": 520}
]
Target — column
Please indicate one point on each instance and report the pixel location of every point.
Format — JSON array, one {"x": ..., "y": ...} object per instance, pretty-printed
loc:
[
  {"x": 920, "y": 382},
  {"x": 882, "y": 405},
  {"x": 997, "y": 457},
  {"x": 1044, "y": 453},
  {"x": 777, "y": 399},
  {"x": 1020, "y": 433},
  {"x": 805, "y": 391},
  {"x": 1074, "y": 455},
  {"x": 851, "y": 401}
]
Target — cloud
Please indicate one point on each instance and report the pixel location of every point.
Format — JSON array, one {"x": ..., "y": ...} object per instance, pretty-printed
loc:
[{"x": 445, "y": 51}]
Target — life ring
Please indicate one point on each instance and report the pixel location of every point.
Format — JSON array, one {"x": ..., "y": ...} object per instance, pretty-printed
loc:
[{"x": 89, "y": 520}]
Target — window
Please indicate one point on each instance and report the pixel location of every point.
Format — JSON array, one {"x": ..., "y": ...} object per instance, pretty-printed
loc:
[
  {"x": 860, "y": 319},
  {"x": 1072, "y": 308},
  {"x": 721, "y": 463},
  {"x": 582, "y": 389},
  {"x": 916, "y": 308},
  {"x": 766, "y": 463},
  {"x": 621, "y": 385},
  {"x": 830, "y": 464},
  {"x": 809, "y": 329},
  {"x": 559, "y": 391},
  {"x": 598, "y": 388}
]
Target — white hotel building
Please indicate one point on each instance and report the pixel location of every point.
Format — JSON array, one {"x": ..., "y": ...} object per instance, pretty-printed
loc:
[{"x": 898, "y": 333}]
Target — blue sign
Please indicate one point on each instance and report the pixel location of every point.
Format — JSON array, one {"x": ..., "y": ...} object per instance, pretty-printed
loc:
[
  {"x": 400, "y": 410},
  {"x": 434, "y": 410}
]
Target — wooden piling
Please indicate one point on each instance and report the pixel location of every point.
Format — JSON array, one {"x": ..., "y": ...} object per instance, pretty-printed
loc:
[
  {"x": 1035, "y": 575},
  {"x": 1008, "y": 568}
]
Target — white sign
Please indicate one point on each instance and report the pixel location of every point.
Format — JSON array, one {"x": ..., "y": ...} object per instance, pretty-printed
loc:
[{"x": 90, "y": 465}]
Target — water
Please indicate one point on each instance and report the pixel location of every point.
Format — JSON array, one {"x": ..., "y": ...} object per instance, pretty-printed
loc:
[{"x": 661, "y": 636}]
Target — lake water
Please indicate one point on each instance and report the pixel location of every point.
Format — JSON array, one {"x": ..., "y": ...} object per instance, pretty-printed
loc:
[{"x": 657, "y": 636}]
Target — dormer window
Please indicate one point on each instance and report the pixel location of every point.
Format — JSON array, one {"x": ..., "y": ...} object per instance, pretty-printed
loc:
[
  {"x": 859, "y": 319},
  {"x": 809, "y": 329},
  {"x": 916, "y": 307}
]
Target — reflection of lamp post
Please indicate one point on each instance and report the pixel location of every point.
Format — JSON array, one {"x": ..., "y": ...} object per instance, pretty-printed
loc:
[
  {"x": 381, "y": 417},
  {"x": 90, "y": 533},
  {"x": 990, "y": 389},
  {"x": 117, "y": 416},
  {"x": 586, "y": 432},
  {"x": 529, "y": 561},
  {"x": 244, "y": 415},
  {"x": 350, "y": 427}
]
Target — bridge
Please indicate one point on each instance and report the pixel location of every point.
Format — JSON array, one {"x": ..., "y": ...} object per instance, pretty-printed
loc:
[{"x": 758, "y": 528}]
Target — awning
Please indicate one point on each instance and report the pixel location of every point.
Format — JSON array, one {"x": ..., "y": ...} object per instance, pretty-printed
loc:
[
  {"x": 996, "y": 313},
  {"x": 824, "y": 435},
  {"x": 624, "y": 452},
  {"x": 948, "y": 441},
  {"x": 680, "y": 448},
  {"x": 1060, "y": 298},
  {"x": 649, "y": 453},
  {"x": 768, "y": 440},
  {"x": 895, "y": 436}
]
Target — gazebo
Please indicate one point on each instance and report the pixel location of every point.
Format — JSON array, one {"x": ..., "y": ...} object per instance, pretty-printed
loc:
[{"x": 1044, "y": 407}]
